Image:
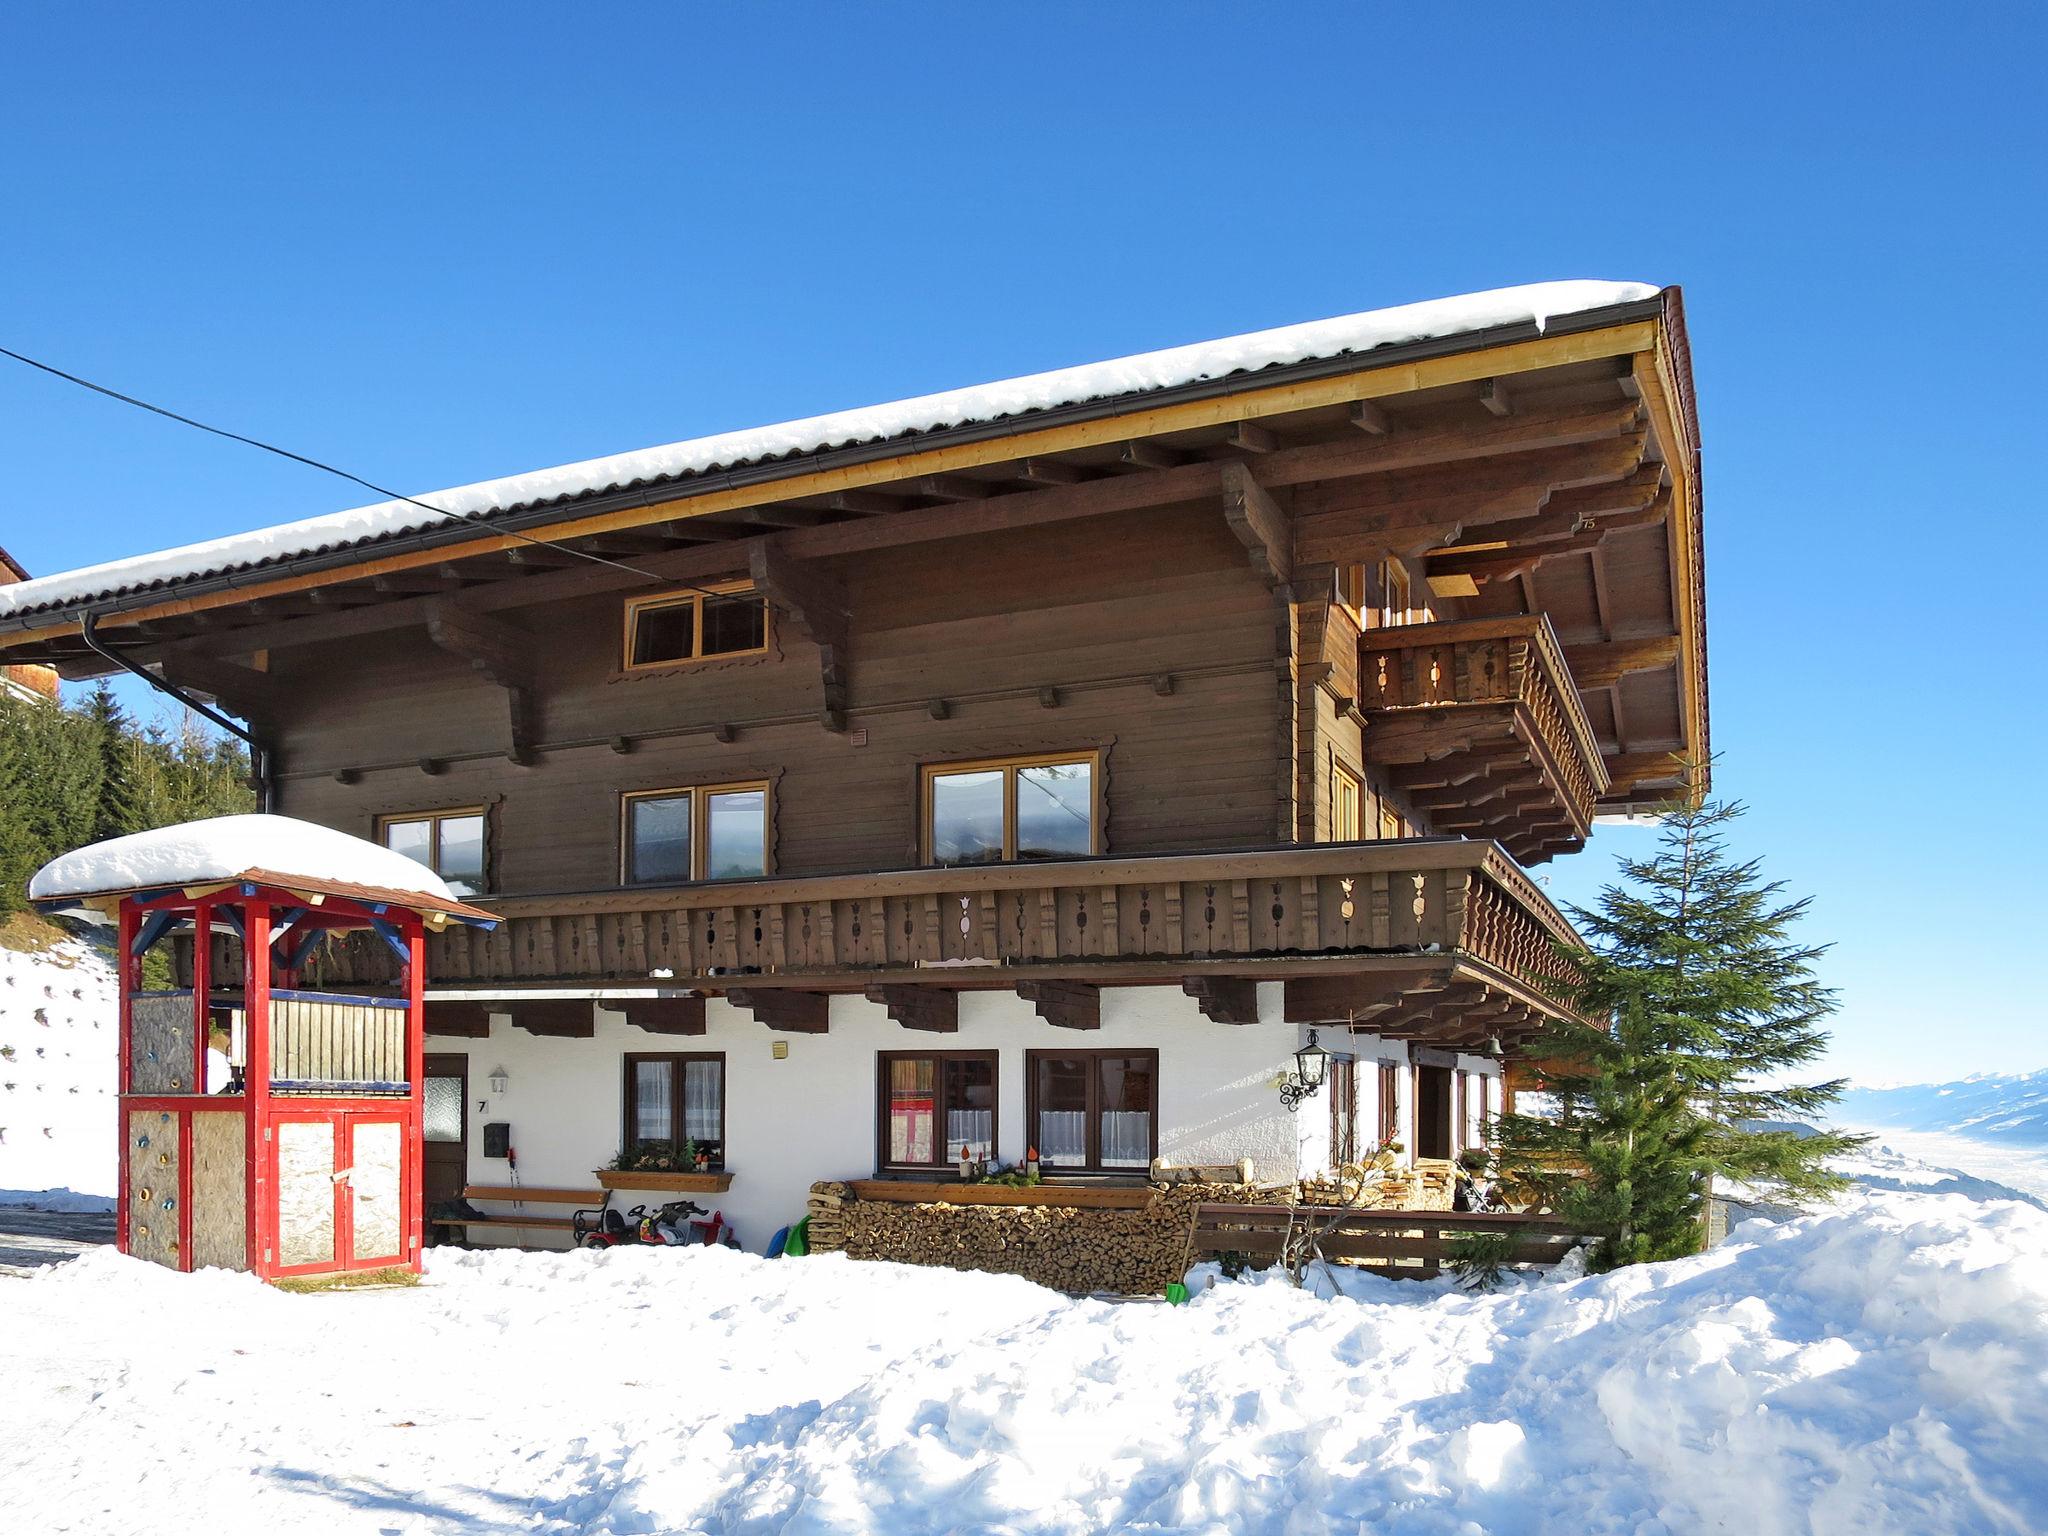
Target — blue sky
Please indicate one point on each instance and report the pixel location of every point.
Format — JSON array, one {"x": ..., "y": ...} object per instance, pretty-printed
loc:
[{"x": 437, "y": 243}]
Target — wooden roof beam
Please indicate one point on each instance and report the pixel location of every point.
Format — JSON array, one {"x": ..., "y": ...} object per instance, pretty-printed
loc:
[
  {"x": 1224, "y": 999},
  {"x": 814, "y": 601},
  {"x": 935, "y": 1010},
  {"x": 1266, "y": 531},
  {"x": 1606, "y": 663},
  {"x": 1064, "y": 1004},
  {"x": 784, "y": 1010},
  {"x": 501, "y": 652}
]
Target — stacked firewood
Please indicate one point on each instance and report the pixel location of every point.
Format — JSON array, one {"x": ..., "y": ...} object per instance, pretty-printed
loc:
[{"x": 1124, "y": 1252}]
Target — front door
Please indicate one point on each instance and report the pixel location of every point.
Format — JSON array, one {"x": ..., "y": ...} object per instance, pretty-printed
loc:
[{"x": 445, "y": 1157}]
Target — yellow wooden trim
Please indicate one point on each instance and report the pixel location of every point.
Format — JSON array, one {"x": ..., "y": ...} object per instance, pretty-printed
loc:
[
  {"x": 1660, "y": 393},
  {"x": 635, "y": 606},
  {"x": 931, "y": 772},
  {"x": 1342, "y": 389},
  {"x": 700, "y": 821}
]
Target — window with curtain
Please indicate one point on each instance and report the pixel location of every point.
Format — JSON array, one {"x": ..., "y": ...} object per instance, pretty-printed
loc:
[
  {"x": 1343, "y": 1088},
  {"x": 1093, "y": 1111},
  {"x": 1390, "y": 1102},
  {"x": 674, "y": 1099},
  {"x": 934, "y": 1104}
]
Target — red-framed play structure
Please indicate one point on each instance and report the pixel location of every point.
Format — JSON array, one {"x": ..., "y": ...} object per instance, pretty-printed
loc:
[{"x": 306, "y": 1161}]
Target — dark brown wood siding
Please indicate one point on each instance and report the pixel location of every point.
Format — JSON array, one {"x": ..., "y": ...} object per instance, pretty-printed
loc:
[{"x": 1094, "y": 611}]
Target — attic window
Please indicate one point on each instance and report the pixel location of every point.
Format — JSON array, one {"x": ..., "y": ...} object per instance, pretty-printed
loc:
[{"x": 727, "y": 620}]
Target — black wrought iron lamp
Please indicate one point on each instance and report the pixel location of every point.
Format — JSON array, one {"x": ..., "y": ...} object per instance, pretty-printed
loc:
[{"x": 1311, "y": 1062}]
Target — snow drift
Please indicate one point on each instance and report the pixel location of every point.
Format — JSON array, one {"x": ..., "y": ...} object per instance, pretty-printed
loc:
[{"x": 1882, "y": 1367}]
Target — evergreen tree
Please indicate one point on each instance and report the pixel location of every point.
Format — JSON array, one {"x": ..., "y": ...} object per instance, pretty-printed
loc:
[
  {"x": 1706, "y": 1001},
  {"x": 116, "y": 811}
]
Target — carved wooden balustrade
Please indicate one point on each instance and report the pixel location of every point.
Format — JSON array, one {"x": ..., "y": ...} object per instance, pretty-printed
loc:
[
  {"x": 1480, "y": 722},
  {"x": 1416, "y": 910}
]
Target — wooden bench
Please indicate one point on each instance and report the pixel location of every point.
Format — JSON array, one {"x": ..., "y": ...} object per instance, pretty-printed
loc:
[
  {"x": 499, "y": 1193},
  {"x": 1401, "y": 1244}
]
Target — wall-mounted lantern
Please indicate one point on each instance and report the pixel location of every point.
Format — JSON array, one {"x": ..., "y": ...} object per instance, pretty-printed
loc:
[
  {"x": 1311, "y": 1062},
  {"x": 499, "y": 1081}
]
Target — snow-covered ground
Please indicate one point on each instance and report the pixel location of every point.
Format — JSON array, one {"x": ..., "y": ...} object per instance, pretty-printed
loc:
[
  {"x": 59, "y": 1147},
  {"x": 1882, "y": 1367}
]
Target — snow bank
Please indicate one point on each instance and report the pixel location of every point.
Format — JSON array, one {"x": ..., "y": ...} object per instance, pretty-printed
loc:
[
  {"x": 1533, "y": 302},
  {"x": 223, "y": 847},
  {"x": 59, "y": 1033},
  {"x": 1881, "y": 1368}
]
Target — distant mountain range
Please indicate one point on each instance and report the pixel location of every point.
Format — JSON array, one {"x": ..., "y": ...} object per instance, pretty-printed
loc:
[{"x": 2009, "y": 1109}]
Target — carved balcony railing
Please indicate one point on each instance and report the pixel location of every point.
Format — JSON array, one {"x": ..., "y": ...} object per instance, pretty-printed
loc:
[
  {"x": 1478, "y": 720},
  {"x": 1347, "y": 916}
]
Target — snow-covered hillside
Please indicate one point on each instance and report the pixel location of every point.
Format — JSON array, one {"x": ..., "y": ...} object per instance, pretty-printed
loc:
[
  {"x": 59, "y": 1034},
  {"x": 1992, "y": 1107},
  {"x": 1882, "y": 1367}
]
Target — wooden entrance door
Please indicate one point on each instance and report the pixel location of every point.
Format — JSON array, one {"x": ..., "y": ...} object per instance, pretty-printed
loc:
[
  {"x": 445, "y": 1155},
  {"x": 1433, "y": 1112}
]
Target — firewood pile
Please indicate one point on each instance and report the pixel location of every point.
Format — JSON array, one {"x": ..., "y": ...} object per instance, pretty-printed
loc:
[
  {"x": 1127, "y": 1252},
  {"x": 1384, "y": 1185}
]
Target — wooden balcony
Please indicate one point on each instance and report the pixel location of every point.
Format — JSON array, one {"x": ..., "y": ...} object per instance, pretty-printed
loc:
[
  {"x": 1420, "y": 935},
  {"x": 1480, "y": 722}
]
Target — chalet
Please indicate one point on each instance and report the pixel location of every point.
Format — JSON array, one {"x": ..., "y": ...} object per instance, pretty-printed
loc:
[
  {"x": 1042, "y": 765},
  {"x": 25, "y": 684}
]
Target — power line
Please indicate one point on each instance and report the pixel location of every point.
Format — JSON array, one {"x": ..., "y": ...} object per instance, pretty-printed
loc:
[{"x": 369, "y": 485}]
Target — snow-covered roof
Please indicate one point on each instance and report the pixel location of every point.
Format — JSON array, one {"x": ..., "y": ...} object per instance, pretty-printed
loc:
[
  {"x": 279, "y": 849},
  {"x": 1531, "y": 303}
]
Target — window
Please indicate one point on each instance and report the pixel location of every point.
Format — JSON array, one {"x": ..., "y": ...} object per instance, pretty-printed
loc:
[
  {"x": 450, "y": 843},
  {"x": 1028, "y": 808},
  {"x": 1351, "y": 591},
  {"x": 1390, "y": 1102},
  {"x": 727, "y": 620},
  {"x": 707, "y": 832},
  {"x": 1390, "y": 821},
  {"x": 1095, "y": 1111},
  {"x": 1343, "y": 1075},
  {"x": 1346, "y": 796},
  {"x": 675, "y": 1103},
  {"x": 934, "y": 1104},
  {"x": 1396, "y": 599}
]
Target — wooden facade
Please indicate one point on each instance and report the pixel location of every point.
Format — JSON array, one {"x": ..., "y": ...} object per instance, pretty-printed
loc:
[{"x": 1297, "y": 780}]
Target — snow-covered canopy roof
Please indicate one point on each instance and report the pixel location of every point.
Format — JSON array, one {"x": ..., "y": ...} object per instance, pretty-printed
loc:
[
  {"x": 266, "y": 850},
  {"x": 1145, "y": 372}
]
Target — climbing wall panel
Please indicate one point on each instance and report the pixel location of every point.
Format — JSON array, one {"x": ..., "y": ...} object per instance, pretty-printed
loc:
[
  {"x": 219, "y": 1190},
  {"x": 160, "y": 1044},
  {"x": 373, "y": 1175},
  {"x": 305, "y": 1192},
  {"x": 153, "y": 1186}
]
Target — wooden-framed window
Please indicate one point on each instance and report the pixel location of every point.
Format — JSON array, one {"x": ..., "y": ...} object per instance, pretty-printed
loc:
[
  {"x": 1343, "y": 1086},
  {"x": 1352, "y": 591},
  {"x": 932, "y": 1104},
  {"x": 1396, "y": 593},
  {"x": 674, "y": 1099},
  {"x": 669, "y": 629},
  {"x": 1047, "y": 807},
  {"x": 1390, "y": 1102},
  {"x": 1390, "y": 821},
  {"x": 1093, "y": 1111},
  {"x": 450, "y": 843},
  {"x": 1347, "y": 799},
  {"x": 698, "y": 832}
]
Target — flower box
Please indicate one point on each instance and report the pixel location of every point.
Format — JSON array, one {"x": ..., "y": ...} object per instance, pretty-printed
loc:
[{"x": 674, "y": 1183}]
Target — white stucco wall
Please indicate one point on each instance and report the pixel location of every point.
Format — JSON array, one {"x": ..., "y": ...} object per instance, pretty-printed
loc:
[{"x": 811, "y": 1116}]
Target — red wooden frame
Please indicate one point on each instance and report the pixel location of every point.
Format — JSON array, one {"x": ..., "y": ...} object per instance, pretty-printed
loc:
[{"x": 262, "y": 1111}]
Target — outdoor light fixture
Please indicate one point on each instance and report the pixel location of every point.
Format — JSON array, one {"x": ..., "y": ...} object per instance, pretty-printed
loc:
[
  {"x": 498, "y": 1081},
  {"x": 1310, "y": 1062}
]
